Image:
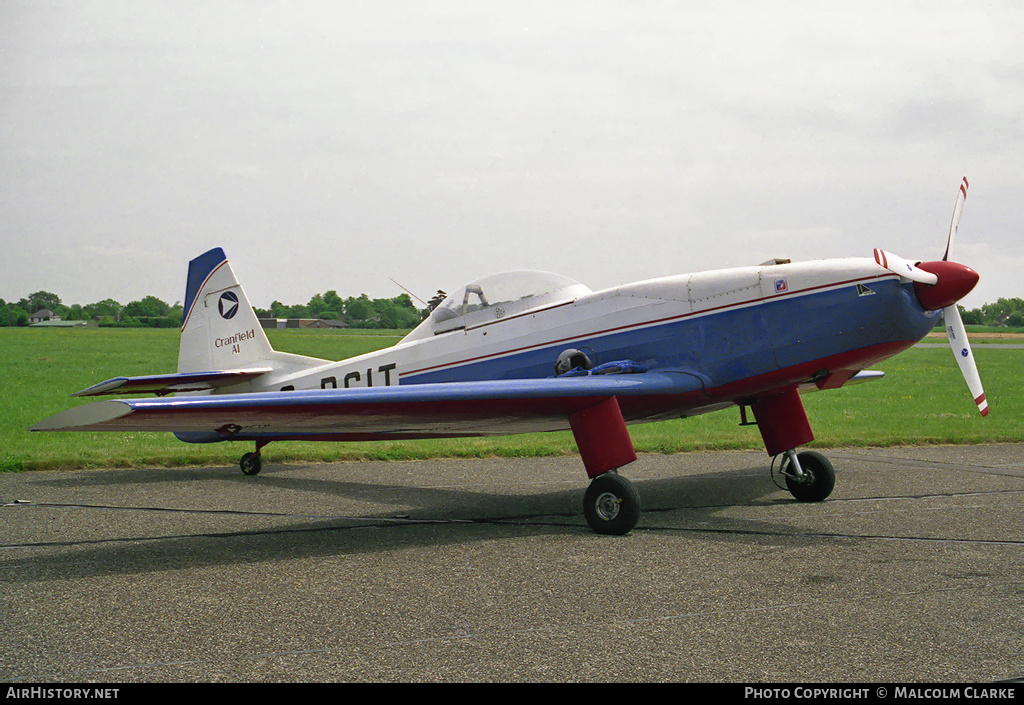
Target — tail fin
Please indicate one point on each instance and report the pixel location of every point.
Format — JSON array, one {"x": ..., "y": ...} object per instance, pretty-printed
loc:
[{"x": 220, "y": 330}]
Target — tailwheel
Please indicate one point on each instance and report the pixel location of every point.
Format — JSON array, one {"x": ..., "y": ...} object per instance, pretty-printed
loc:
[
  {"x": 810, "y": 478},
  {"x": 251, "y": 463},
  {"x": 611, "y": 504}
]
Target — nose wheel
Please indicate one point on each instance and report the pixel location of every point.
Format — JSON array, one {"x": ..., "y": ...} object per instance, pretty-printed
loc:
[
  {"x": 810, "y": 476},
  {"x": 611, "y": 504}
]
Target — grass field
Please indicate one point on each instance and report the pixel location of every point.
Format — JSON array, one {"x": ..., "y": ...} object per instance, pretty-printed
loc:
[{"x": 923, "y": 399}]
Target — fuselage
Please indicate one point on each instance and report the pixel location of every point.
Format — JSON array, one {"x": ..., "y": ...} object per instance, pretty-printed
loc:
[{"x": 738, "y": 330}]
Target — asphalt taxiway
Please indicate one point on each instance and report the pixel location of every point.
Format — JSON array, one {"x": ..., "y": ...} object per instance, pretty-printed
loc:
[{"x": 485, "y": 570}]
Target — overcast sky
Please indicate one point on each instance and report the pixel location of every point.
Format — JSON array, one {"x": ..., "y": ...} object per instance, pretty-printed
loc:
[{"x": 337, "y": 144}]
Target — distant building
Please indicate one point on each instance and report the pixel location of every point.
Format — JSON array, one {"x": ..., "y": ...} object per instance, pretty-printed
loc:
[
  {"x": 65, "y": 324},
  {"x": 323, "y": 323},
  {"x": 43, "y": 314}
]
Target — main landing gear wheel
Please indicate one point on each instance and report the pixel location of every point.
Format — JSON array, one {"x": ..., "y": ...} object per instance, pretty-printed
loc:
[
  {"x": 611, "y": 504},
  {"x": 817, "y": 481},
  {"x": 251, "y": 463}
]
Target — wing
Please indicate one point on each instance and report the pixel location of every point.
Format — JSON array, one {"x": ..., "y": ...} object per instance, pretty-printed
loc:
[{"x": 408, "y": 411}]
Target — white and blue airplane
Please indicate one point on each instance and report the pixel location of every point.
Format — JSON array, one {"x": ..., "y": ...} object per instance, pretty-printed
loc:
[{"x": 530, "y": 351}]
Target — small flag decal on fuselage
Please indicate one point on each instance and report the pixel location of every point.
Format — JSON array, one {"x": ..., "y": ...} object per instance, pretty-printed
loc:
[{"x": 780, "y": 286}]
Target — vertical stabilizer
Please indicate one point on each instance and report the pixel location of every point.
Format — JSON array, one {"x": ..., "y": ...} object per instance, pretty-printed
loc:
[{"x": 220, "y": 330}]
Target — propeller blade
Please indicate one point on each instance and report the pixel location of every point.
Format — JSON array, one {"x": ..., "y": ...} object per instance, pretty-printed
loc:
[
  {"x": 957, "y": 209},
  {"x": 904, "y": 268},
  {"x": 961, "y": 348}
]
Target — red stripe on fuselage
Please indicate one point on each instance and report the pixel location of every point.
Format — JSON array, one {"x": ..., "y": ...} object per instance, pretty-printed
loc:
[{"x": 855, "y": 360}]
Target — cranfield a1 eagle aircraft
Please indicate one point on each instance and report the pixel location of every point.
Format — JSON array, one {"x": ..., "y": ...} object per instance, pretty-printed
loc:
[{"x": 529, "y": 351}]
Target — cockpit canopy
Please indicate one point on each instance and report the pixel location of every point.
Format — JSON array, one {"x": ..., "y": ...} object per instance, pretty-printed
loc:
[{"x": 496, "y": 297}]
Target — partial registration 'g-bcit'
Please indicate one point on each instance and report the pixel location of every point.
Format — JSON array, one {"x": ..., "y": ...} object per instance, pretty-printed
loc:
[{"x": 530, "y": 351}]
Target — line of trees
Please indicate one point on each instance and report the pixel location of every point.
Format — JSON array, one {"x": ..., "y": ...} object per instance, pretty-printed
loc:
[
  {"x": 1004, "y": 312},
  {"x": 358, "y": 312},
  {"x": 149, "y": 311}
]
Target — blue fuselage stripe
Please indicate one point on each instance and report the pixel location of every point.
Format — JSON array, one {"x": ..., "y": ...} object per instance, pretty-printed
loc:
[{"x": 735, "y": 343}]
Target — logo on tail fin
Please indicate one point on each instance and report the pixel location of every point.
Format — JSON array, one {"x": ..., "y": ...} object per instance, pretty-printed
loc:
[{"x": 228, "y": 304}]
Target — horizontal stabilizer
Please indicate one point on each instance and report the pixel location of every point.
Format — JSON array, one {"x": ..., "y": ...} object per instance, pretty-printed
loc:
[
  {"x": 411, "y": 411},
  {"x": 170, "y": 383}
]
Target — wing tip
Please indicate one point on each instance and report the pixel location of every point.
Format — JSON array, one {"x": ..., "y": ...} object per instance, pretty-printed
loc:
[
  {"x": 106, "y": 387},
  {"x": 83, "y": 417}
]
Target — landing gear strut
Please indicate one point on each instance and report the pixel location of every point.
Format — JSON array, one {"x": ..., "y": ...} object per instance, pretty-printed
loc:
[
  {"x": 783, "y": 424},
  {"x": 611, "y": 504}
]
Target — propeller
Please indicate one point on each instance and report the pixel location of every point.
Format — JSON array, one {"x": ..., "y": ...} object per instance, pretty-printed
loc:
[
  {"x": 898, "y": 265},
  {"x": 960, "y": 346},
  {"x": 939, "y": 285},
  {"x": 955, "y": 331},
  {"x": 961, "y": 198}
]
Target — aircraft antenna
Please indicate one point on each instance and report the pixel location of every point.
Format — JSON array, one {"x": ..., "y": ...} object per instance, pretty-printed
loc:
[{"x": 409, "y": 293}]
